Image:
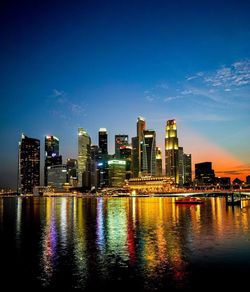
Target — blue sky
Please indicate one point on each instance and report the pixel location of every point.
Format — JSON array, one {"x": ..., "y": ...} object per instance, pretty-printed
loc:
[{"x": 92, "y": 64}]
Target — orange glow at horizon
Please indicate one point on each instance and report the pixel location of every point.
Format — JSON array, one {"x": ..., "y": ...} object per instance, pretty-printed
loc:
[{"x": 224, "y": 163}]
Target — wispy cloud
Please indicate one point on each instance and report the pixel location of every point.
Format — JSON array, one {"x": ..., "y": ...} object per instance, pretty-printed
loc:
[
  {"x": 170, "y": 98},
  {"x": 66, "y": 107},
  {"x": 228, "y": 77}
]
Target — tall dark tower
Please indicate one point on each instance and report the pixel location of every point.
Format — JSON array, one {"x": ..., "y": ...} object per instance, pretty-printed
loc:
[
  {"x": 103, "y": 173},
  {"x": 120, "y": 140},
  {"x": 103, "y": 141},
  {"x": 28, "y": 164},
  {"x": 149, "y": 152},
  {"x": 141, "y": 126},
  {"x": 52, "y": 157},
  {"x": 171, "y": 151}
]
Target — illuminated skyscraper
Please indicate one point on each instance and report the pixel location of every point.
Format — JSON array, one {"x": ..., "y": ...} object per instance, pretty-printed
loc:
[
  {"x": 72, "y": 166},
  {"x": 103, "y": 140},
  {"x": 171, "y": 151},
  {"x": 126, "y": 154},
  {"x": 187, "y": 166},
  {"x": 181, "y": 166},
  {"x": 149, "y": 152},
  {"x": 120, "y": 140},
  {"x": 117, "y": 172},
  {"x": 158, "y": 162},
  {"x": 103, "y": 179},
  {"x": 137, "y": 148},
  {"x": 28, "y": 164},
  {"x": 135, "y": 157},
  {"x": 141, "y": 126},
  {"x": 84, "y": 143},
  {"x": 52, "y": 157}
]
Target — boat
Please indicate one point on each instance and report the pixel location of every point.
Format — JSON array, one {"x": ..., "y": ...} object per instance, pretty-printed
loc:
[{"x": 189, "y": 200}]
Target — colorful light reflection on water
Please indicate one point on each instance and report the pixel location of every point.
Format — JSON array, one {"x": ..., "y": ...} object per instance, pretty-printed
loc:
[{"x": 141, "y": 243}]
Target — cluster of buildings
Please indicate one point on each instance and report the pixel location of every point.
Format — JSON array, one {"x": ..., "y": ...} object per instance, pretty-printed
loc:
[{"x": 136, "y": 165}]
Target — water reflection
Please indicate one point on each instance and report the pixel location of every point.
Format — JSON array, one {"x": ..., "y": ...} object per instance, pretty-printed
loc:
[{"x": 146, "y": 243}]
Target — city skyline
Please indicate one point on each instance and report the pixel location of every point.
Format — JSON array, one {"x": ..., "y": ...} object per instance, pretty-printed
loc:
[{"x": 97, "y": 65}]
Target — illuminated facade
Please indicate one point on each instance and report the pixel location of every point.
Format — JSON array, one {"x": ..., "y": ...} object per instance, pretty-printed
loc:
[
  {"x": 149, "y": 152},
  {"x": 137, "y": 148},
  {"x": 187, "y": 166},
  {"x": 117, "y": 172},
  {"x": 149, "y": 184},
  {"x": 171, "y": 151},
  {"x": 72, "y": 166},
  {"x": 94, "y": 152},
  {"x": 28, "y": 164},
  {"x": 158, "y": 162},
  {"x": 135, "y": 157},
  {"x": 120, "y": 140},
  {"x": 181, "y": 166},
  {"x": 57, "y": 177},
  {"x": 103, "y": 179},
  {"x": 52, "y": 157},
  {"x": 141, "y": 126},
  {"x": 103, "y": 140},
  {"x": 126, "y": 154},
  {"x": 84, "y": 143}
]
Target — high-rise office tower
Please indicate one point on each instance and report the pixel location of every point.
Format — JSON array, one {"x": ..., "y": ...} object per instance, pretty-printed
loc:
[
  {"x": 57, "y": 177},
  {"x": 171, "y": 151},
  {"x": 28, "y": 164},
  {"x": 158, "y": 162},
  {"x": 135, "y": 157},
  {"x": 94, "y": 152},
  {"x": 187, "y": 166},
  {"x": 204, "y": 174},
  {"x": 181, "y": 166},
  {"x": 117, "y": 172},
  {"x": 84, "y": 143},
  {"x": 120, "y": 140},
  {"x": 72, "y": 166},
  {"x": 52, "y": 157},
  {"x": 137, "y": 148},
  {"x": 103, "y": 141},
  {"x": 126, "y": 154},
  {"x": 149, "y": 152},
  {"x": 103, "y": 179},
  {"x": 141, "y": 126}
]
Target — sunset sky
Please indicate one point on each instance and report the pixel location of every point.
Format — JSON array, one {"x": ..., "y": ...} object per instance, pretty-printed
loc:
[{"x": 93, "y": 64}]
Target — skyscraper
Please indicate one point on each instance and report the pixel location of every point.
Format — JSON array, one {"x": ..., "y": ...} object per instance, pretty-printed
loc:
[
  {"x": 126, "y": 154},
  {"x": 141, "y": 126},
  {"x": 28, "y": 164},
  {"x": 72, "y": 166},
  {"x": 94, "y": 152},
  {"x": 120, "y": 140},
  {"x": 181, "y": 166},
  {"x": 149, "y": 152},
  {"x": 135, "y": 157},
  {"x": 187, "y": 166},
  {"x": 103, "y": 180},
  {"x": 117, "y": 172},
  {"x": 158, "y": 162},
  {"x": 103, "y": 140},
  {"x": 137, "y": 148},
  {"x": 52, "y": 157},
  {"x": 171, "y": 151},
  {"x": 84, "y": 143}
]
